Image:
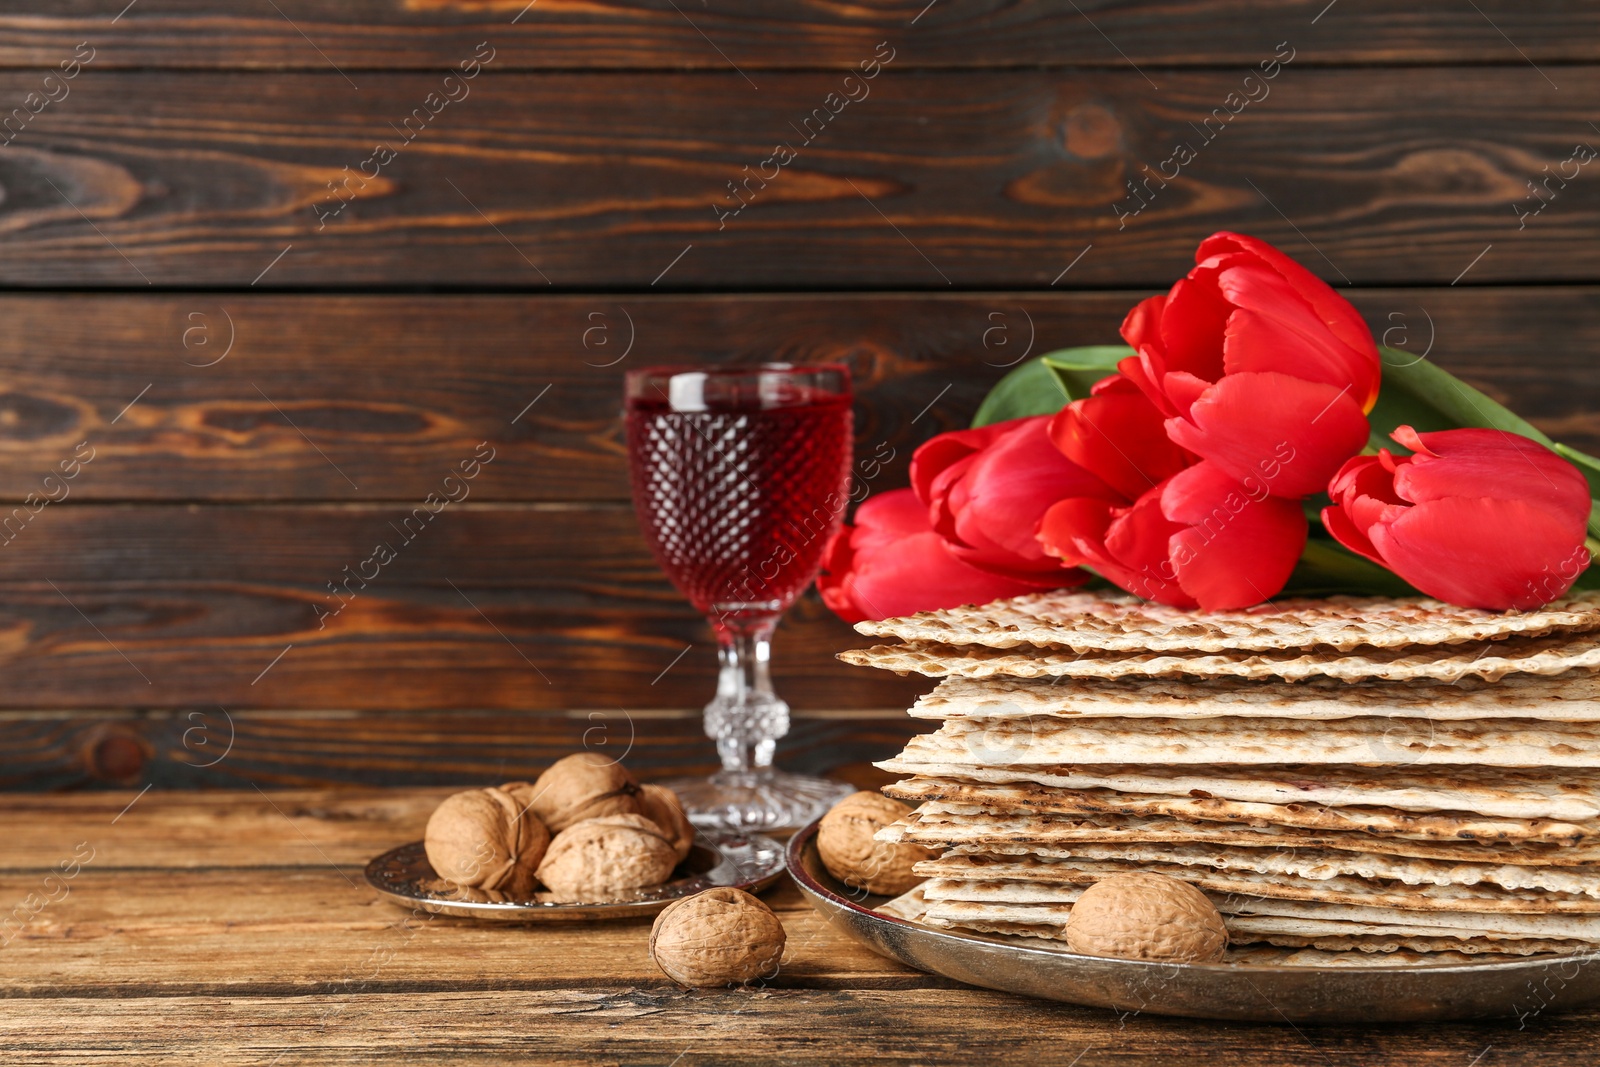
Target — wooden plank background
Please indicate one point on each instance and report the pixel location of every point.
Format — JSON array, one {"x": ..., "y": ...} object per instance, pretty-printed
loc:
[{"x": 270, "y": 362}]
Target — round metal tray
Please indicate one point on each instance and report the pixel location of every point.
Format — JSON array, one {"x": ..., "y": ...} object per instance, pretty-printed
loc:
[
  {"x": 1293, "y": 994},
  {"x": 745, "y": 861}
]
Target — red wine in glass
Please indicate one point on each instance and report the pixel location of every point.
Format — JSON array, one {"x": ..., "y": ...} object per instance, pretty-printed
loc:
[{"x": 740, "y": 476}]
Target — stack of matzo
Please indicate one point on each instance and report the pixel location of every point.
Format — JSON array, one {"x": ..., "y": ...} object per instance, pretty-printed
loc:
[{"x": 1345, "y": 775}]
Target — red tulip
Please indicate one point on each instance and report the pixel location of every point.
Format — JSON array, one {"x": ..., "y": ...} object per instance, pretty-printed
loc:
[
  {"x": 986, "y": 490},
  {"x": 1480, "y": 518},
  {"x": 1199, "y": 539},
  {"x": 892, "y": 563},
  {"x": 1117, "y": 433},
  {"x": 1257, "y": 365}
]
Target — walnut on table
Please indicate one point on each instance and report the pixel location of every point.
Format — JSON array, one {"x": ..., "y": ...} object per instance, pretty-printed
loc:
[{"x": 719, "y": 937}]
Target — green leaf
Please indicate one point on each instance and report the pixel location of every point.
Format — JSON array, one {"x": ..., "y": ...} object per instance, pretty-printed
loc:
[
  {"x": 1326, "y": 568},
  {"x": 1590, "y": 578},
  {"x": 1078, "y": 369},
  {"x": 1589, "y": 467},
  {"x": 1421, "y": 394},
  {"x": 1031, "y": 389}
]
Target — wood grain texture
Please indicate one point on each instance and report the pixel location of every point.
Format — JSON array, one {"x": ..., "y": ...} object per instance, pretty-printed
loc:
[
  {"x": 848, "y": 1027},
  {"x": 392, "y": 392},
  {"x": 209, "y": 748},
  {"x": 763, "y": 34},
  {"x": 296, "y": 930},
  {"x": 935, "y": 180},
  {"x": 164, "y": 947},
  {"x": 493, "y": 607}
]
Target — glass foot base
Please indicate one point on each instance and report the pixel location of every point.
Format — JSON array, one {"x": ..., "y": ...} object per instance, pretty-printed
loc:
[{"x": 758, "y": 800}]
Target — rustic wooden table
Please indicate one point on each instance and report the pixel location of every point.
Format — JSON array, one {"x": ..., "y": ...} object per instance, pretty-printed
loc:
[{"x": 235, "y": 928}]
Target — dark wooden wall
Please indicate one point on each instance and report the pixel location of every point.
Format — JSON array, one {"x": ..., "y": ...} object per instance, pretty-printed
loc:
[{"x": 263, "y": 393}]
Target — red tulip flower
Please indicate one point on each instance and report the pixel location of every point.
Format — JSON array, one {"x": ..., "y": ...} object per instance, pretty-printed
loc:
[
  {"x": 1200, "y": 539},
  {"x": 987, "y": 489},
  {"x": 1480, "y": 518},
  {"x": 1256, "y": 365},
  {"x": 892, "y": 563},
  {"x": 1118, "y": 434}
]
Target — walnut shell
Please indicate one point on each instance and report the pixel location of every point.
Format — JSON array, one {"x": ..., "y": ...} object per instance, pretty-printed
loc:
[
  {"x": 661, "y": 806},
  {"x": 487, "y": 839},
  {"x": 845, "y": 842},
  {"x": 601, "y": 859},
  {"x": 1142, "y": 916},
  {"x": 584, "y": 785},
  {"x": 716, "y": 938}
]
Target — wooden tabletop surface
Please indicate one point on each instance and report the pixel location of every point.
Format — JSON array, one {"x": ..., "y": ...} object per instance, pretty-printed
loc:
[{"x": 236, "y": 928}]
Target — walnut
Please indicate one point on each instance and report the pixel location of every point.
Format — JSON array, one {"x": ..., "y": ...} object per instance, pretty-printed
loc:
[
  {"x": 719, "y": 937},
  {"x": 582, "y": 786},
  {"x": 601, "y": 859},
  {"x": 1142, "y": 916},
  {"x": 845, "y": 842},
  {"x": 488, "y": 839},
  {"x": 660, "y": 805}
]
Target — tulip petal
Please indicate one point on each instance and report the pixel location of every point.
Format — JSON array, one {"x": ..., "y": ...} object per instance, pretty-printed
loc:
[
  {"x": 1074, "y": 530},
  {"x": 1231, "y": 550},
  {"x": 1183, "y": 390},
  {"x": 1343, "y": 320},
  {"x": 940, "y": 453},
  {"x": 1144, "y": 371},
  {"x": 1272, "y": 340},
  {"x": 1483, "y": 552},
  {"x": 890, "y": 563},
  {"x": 1126, "y": 545},
  {"x": 1364, "y": 488},
  {"x": 1004, "y": 492},
  {"x": 1348, "y": 534},
  {"x": 1138, "y": 541},
  {"x": 1492, "y": 463},
  {"x": 1142, "y": 325},
  {"x": 1192, "y": 327},
  {"x": 1274, "y": 430},
  {"x": 1118, "y": 435}
]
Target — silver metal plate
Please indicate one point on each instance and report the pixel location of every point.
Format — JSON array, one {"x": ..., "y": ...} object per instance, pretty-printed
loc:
[
  {"x": 1296, "y": 994},
  {"x": 745, "y": 861}
]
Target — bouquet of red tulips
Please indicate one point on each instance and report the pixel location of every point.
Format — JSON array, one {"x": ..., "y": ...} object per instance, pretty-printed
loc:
[{"x": 1251, "y": 440}]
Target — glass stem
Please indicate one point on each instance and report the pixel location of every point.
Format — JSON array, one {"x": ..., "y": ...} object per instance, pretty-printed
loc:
[{"x": 746, "y": 718}]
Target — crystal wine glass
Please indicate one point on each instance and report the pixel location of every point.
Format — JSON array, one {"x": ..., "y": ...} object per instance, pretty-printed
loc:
[{"x": 740, "y": 475}]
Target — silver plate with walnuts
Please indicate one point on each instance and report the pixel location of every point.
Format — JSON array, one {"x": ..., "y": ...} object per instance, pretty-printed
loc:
[
  {"x": 745, "y": 861},
  {"x": 1256, "y": 991}
]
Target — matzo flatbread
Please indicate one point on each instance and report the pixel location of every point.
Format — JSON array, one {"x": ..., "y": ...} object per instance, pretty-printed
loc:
[
  {"x": 1115, "y": 622},
  {"x": 1311, "y": 864},
  {"x": 1372, "y": 821},
  {"x": 997, "y": 884},
  {"x": 968, "y": 838},
  {"x": 1250, "y": 947},
  {"x": 1571, "y": 697},
  {"x": 1510, "y": 792},
  {"x": 1391, "y": 950},
  {"x": 1369, "y": 741},
  {"x": 1256, "y": 914},
  {"x": 1490, "y": 660},
  {"x": 910, "y": 905}
]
